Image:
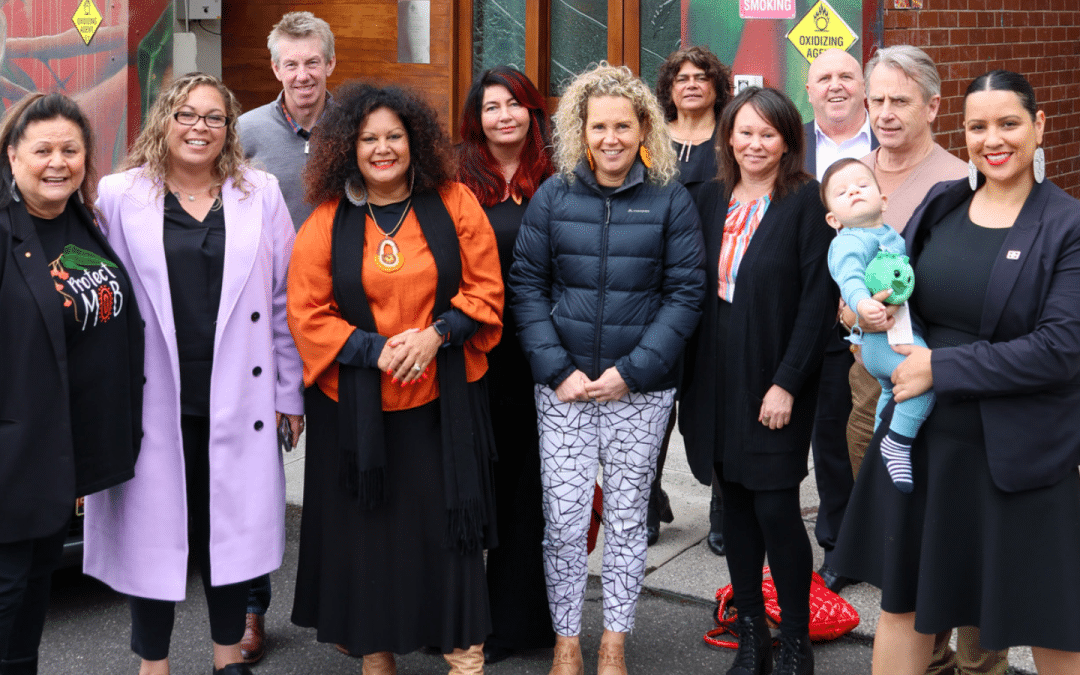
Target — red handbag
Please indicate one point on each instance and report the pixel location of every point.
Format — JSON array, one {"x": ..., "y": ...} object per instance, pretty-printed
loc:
[{"x": 830, "y": 615}]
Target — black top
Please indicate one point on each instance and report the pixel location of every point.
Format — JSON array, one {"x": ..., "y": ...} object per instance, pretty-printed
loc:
[
  {"x": 509, "y": 377},
  {"x": 195, "y": 256},
  {"x": 952, "y": 275},
  {"x": 697, "y": 163},
  {"x": 93, "y": 294}
]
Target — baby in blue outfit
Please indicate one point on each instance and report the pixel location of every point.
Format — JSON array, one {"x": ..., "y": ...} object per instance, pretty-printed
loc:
[{"x": 853, "y": 198}]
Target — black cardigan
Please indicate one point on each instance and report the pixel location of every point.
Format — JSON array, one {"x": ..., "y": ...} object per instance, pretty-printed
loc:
[
  {"x": 38, "y": 482},
  {"x": 782, "y": 311}
]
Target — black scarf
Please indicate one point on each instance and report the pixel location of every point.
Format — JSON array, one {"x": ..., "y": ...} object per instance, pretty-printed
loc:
[{"x": 466, "y": 431}]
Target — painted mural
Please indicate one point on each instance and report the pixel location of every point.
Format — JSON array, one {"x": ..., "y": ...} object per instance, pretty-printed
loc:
[
  {"x": 776, "y": 39},
  {"x": 109, "y": 55}
]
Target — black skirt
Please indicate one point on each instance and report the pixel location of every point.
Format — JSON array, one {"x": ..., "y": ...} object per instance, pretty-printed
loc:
[
  {"x": 384, "y": 580},
  {"x": 959, "y": 551}
]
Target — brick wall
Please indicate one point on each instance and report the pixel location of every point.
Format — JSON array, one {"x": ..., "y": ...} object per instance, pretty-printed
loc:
[{"x": 969, "y": 37}]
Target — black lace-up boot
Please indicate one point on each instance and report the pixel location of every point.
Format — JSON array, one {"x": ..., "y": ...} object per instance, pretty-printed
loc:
[
  {"x": 754, "y": 656},
  {"x": 796, "y": 656}
]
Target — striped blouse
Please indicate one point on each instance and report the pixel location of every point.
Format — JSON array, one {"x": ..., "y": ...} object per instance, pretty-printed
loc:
[{"x": 741, "y": 223}]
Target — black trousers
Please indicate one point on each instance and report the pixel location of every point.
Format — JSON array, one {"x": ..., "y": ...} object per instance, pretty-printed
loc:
[
  {"x": 832, "y": 466},
  {"x": 26, "y": 569},
  {"x": 760, "y": 521},
  {"x": 152, "y": 620}
]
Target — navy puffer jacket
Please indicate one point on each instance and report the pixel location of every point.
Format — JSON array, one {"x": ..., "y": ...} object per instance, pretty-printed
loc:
[{"x": 601, "y": 281}]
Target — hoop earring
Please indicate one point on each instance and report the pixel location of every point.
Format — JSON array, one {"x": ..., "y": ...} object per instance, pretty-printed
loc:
[
  {"x": 592, "y": 162},
  {"x": 973, "y": 176},
  {"x": 646, "y": 157},
  {"x": 356, "y": 199},
  {"x": 1038, "y": 165}
]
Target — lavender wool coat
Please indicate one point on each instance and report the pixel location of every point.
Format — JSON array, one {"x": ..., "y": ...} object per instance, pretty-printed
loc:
[{"x": 136, "y": 533}]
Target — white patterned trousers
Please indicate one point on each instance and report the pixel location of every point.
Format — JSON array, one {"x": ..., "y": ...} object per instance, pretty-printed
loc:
[{"x": 624, "y": 437}]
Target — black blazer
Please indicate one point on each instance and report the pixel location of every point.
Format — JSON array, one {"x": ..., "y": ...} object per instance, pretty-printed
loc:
[
  {"x": 784, "y": 305},
  {"x": 1025, "y": 369},
  {"x": 810, "y": 159},
  {"x": 38, "y": 482}
]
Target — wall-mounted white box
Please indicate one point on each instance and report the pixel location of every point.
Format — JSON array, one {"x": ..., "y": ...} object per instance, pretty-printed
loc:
[{"x": 190, "y": 10}]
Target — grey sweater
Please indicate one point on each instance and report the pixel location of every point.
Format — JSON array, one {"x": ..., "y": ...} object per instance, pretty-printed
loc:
[{"x": 270, "y": 142}]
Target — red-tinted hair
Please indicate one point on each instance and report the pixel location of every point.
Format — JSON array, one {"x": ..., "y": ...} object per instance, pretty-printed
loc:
[{"x": 477, "y": 167}]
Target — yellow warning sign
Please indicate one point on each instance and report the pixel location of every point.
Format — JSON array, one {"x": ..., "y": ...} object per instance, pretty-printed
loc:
[
  {"x": 87, "y": 19},
  {"x": 822, "y": 28}
]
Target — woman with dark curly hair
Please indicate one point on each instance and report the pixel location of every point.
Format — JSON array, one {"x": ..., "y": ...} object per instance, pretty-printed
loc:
[
  {"x": 395, "y": 298},
  {"x": 693, "y": 87},
  {"x": 503, "y": 158}
]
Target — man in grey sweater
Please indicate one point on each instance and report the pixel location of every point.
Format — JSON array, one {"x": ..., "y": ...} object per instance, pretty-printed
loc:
[{"x": 276, "y": 137}]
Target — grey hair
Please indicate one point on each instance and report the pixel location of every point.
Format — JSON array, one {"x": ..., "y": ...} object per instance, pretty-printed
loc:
[
  {"x": 299, "y": 25},
  {"x": 913, "y": 62},
  {"x": 607, "y": 80}
]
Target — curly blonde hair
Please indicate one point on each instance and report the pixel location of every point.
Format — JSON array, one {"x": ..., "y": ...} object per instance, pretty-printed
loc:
[
  {"x": 607, "y": 80},
  {"x": 150, "y": 152}
]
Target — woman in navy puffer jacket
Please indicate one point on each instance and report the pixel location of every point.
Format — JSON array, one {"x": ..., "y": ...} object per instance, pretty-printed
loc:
[{"x": 607, "y": 285}]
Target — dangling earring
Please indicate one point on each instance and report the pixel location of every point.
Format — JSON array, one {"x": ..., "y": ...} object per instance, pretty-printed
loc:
[
  {"x": 646, "y": 158},
  {"x": 412, "y": 179},
  {"x": 592, "y": 163},
  {"x": 357, "y": 198},
  {"x": 973, "y": 176},
  {"x": 1038, "y": 165},
  {"x": 14, "y": 191}
]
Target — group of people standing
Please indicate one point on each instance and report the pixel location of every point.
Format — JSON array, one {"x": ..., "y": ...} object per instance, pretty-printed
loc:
[{"x": 470, "y": 335}]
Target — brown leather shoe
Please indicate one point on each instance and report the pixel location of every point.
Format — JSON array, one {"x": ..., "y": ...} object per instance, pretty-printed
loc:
[
  {"x": 253, "y": 644},
  {"x": 611, "y": 660},
  {"x": 567, "y": 659}
]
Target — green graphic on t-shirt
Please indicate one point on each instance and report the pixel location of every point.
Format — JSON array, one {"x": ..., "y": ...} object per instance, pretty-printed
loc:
[
  {"x": 93, "y": 286},
  {"x": 75, "y": 258}
]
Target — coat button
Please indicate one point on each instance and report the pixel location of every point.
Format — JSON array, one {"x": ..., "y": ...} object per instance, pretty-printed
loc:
[
  {"x": 256, "y": 371},
  {"x": 254, "y": 316},
  {"x": 258, "y": 425},
  {"x": 28, "y": 254}
]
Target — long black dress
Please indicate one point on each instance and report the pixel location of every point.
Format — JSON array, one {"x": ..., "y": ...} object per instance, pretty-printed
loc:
[
  {"x": 952, "y": 550},
  {"x": 515, "y": 568}
]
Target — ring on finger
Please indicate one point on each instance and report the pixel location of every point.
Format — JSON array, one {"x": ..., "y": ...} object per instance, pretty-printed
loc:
[{"x": 417, "y": 367}]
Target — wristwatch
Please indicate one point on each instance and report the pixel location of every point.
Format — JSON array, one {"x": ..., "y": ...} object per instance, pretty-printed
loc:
[{"x": 443, "y": 329}]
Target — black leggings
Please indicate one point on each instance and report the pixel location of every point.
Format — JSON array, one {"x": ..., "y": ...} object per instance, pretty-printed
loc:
[
  {"x": 757, "y": 522},
  {"x": 152, "y": 620}
]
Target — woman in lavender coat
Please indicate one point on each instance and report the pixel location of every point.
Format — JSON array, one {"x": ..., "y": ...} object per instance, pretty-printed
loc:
[{"x": 207, "y": 241}]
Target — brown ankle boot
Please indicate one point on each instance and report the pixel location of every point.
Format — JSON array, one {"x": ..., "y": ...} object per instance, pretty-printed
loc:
[
  {"x": 379, "y": 663},
  {"x": 611, "y": 660},
  {"x": 466, "y": 661},
  {"x": 567, "y": 659}
]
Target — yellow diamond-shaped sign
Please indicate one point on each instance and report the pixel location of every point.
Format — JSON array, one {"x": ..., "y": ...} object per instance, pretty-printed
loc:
[
  {"x": 87, "y": 19},
  {"x": 820, "y": 29}
]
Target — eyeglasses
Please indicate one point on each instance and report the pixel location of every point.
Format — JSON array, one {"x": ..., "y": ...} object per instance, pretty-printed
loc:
[{"x": 190, "y": 119}]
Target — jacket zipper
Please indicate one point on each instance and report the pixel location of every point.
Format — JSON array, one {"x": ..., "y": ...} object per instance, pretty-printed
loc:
[{"x": 603, "y": 284}]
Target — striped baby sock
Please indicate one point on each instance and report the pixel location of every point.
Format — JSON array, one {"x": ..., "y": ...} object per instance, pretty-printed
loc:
[{"x": 896, "y": 453}]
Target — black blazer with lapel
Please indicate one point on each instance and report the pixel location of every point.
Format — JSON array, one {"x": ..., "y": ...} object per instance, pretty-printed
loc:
[
  {"x": 810, "y": 160},
  {"x": 38, "y": 483},
  {"x": 783, "y": 307},
  {"x": 1025, "y": 369}
]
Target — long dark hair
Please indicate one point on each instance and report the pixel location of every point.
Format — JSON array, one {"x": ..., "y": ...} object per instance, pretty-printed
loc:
[
  {"x": 1005, "y": 80},
  {"x": 701, "y": 57},
  {"x": 42, "y": 108},
  {"x": 477, "y": 167},
  {"x": 778, "y": 110},
  {"x": 333, "y": 142}
]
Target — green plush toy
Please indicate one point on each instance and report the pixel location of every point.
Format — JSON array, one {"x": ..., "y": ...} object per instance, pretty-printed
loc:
[{"x": 891, "y": 271}]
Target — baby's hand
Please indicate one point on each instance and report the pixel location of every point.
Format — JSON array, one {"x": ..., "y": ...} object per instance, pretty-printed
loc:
[{"x": 871, "y": 310}]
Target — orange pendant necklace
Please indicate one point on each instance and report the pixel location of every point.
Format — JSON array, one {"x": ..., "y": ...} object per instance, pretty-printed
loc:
[{"x": 388, "y": 257}]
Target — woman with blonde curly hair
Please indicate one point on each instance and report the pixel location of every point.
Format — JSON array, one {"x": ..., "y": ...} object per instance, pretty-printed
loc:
[
  {"x": 207, "y": 240},
  {"x": 607, "y": 287}
]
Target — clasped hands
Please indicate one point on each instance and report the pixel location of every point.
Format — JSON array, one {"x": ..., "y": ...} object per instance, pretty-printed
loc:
[
  {"x": 914, "y": 375},
  {"x": 610, "y": 386},
  {"x": 406, "y": 356}
]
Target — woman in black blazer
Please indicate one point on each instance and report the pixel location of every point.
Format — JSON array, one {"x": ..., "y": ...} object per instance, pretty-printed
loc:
[
  {"x": 750, "y": 384},
  {"x": 991, "y": 535},
  {"x": 71, "y": 355}
]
